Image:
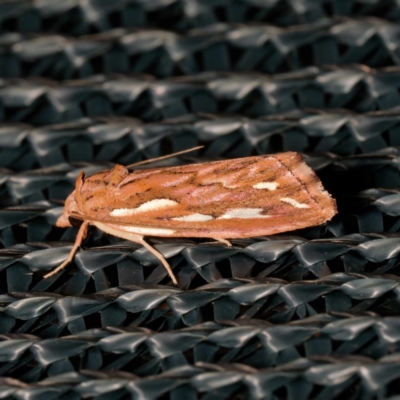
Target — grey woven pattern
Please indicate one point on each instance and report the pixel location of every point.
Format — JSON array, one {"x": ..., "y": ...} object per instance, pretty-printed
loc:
[
  {"x": 78, "y": 17},
  {"x": 43, "y": 102},
  {"x": 264, "y": 48},
  {"x": 125, "y": 140},
  {"x": 310, "y": 314}
]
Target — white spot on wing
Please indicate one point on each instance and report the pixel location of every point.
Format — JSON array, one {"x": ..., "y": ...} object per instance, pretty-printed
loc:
[
  {"x": 294, "y": 202},
  {"x": 146, "y": 231},
  {"x": 194, "y": 218},
  {"x": 151, "y": 205},
  {"x": 244, "y": 213},
  {"x": 226, "y": 185},
  {"x": 266, "y": 185},
  {"x": 122, "y": 212},
  {"x": 132, "y": 232}
]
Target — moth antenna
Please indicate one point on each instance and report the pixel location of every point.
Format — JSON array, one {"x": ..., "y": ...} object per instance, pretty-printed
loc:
[
  {"x": 80, "y": 237},
  {"x": 164, "y": 157}
]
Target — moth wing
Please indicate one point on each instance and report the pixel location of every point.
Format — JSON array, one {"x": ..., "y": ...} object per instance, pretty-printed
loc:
[{"x": 236, "y": 198}]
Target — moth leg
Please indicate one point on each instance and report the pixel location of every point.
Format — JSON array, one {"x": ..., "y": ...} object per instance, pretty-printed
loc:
[
  {"x": 80, "y": 237},
  {"x": 224, "y": 241},
  {"x": 137, "y": 239},
  {"x": 152, "y": 250}
]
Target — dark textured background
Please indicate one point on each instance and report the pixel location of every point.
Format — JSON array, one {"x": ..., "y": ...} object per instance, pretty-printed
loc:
[{"x": 312, "y": 314}]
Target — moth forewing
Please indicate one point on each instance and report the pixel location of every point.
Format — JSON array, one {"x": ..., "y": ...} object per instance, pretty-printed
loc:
[{"x": 245, "y": 197}]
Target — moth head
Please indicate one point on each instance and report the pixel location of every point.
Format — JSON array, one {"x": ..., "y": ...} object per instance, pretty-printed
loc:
[
  {"x": 70, "y": 208},
  {"x": 72, "y": 203},
  {"x": 91, "y": 192}
]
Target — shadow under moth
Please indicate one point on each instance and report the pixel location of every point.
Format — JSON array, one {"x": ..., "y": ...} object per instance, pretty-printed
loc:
[{"x": 240, "y": 198}]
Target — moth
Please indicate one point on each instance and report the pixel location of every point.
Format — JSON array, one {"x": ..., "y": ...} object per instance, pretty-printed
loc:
[{"x": 221, "y": 200}]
